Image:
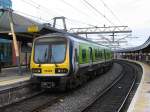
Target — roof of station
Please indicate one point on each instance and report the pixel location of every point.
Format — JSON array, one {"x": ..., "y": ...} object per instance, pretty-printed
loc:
[
  {"x": 144, "y": 47},
  {"x": 25, "y": 29}
]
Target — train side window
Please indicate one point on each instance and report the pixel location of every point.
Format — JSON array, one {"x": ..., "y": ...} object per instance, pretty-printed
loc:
[
  {"x": 108, "y": 55},
  {"x": 100, "y": 55},
  {"x": 83, "y": 55},
  {"x": 96, "y": 54}
]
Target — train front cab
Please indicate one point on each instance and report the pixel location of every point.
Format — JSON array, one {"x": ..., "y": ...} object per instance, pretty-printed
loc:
[{"x": 50, "y": 59}]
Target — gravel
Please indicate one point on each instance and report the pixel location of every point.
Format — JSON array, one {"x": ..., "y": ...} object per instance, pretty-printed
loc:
[{"x": 79, "y": 97}]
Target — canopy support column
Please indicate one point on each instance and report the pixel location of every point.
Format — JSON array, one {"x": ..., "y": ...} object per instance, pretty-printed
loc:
[{"x": 14, "y": 41}]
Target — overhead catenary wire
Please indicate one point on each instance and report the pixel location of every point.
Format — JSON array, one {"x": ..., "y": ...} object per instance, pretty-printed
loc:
[
  {"x": 73, "y": 7},
  {"x": 92, "y": 11},
  {"x": 73, "y": 20},
  {"x": 78, "y": 10},
  {"x": 15, "y": 11},
  {"x": 46, "y": 21},
  {"x": 101, "y": 14},
  {"x": 31, "y": 16},
  {"x": 105, "y": 5},
  {"x": 51, "y": 21},
  {"x": 41, "y": 7},
  {"x": 36, "y": 5}
]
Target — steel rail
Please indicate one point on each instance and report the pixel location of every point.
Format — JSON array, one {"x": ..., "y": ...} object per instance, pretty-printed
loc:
[
  {"x": 100, "y": 94},
  {"x": 47, "y": 104},
  {"x": 131, "y": 87}
]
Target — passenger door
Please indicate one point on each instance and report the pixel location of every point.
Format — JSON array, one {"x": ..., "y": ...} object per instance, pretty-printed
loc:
[{"x": 90, "y": 56}]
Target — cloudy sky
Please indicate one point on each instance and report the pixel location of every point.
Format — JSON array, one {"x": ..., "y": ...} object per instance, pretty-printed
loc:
[{"x": 133, "y": 13}]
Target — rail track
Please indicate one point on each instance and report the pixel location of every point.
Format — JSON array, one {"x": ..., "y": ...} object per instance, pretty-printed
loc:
[
  {"x": 35, "y": 103},
  {"x": 113, "y": 98}
]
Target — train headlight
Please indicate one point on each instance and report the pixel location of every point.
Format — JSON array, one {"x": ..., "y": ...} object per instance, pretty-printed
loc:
[
  {"x": 61, "y": 70},
  {"x": 36, "y": 70}
]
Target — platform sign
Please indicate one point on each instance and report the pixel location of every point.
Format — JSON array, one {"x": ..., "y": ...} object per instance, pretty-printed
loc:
[{"x": 33, "y": 28}]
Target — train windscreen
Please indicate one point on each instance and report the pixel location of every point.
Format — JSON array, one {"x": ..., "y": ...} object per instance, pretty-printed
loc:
[{"x": 50, "y": 50}]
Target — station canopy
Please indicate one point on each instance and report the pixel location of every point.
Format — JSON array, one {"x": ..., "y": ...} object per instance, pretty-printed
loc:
[
  {"x": 25, "y": 28},
  {"x": 144, "y": 48}
]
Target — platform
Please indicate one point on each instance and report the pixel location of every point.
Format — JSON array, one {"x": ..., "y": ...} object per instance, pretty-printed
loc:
[
  {"x": 141, "y": 99},
  {"x": 15, "y": 87},
  {"x": 10, "y": 76}
]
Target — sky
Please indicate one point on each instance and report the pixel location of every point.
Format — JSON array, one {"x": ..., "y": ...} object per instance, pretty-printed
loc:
[{"x": 133, "y": 13}]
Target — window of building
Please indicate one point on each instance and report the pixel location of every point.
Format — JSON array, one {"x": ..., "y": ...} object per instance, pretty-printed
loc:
[{"x": 5, "y": 52}]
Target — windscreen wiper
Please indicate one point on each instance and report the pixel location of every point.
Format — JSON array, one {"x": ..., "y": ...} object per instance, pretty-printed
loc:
[
  {"x": 45, "y": 55},
  {"x": 54, "y": 61},
  {"x": 39, "y": 62}
]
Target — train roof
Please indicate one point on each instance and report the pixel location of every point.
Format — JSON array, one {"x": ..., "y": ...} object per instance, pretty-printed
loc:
[{"x": 74, "y": 37}]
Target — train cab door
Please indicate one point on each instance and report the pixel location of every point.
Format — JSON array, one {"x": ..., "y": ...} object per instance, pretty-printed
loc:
[
  {"x": 90, "y": 56},
  {"x": 76, "y": 63}
]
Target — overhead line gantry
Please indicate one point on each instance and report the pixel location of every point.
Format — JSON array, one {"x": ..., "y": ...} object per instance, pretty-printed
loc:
[{"x": 100, "y": 30}]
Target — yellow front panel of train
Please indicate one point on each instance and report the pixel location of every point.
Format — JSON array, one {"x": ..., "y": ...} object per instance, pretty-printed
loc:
[{"x": 48, "y": 69}]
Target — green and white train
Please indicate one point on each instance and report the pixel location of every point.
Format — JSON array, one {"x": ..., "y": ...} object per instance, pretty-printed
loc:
[{"x": 66, "y": 60}]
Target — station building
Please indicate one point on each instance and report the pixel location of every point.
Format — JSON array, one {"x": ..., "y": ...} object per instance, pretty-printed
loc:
[
  {"x": 6, "y": 53},
  {"x": 26, "y": 30},
  {"x": 140, "y": 53}
]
